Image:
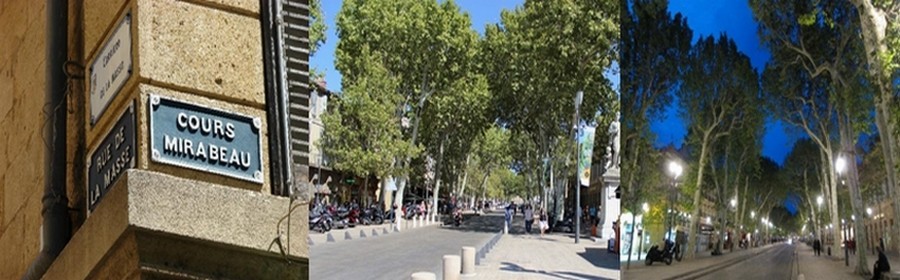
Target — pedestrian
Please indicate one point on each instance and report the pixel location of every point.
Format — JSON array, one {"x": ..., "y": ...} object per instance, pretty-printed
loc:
[
  {"x": 508, "y": 216},
  {"x": 817, "y": 247},
  {"x": 529, "y": 218},
  {"x": 881, "y": 265},
  {"x": 543, "y": 222}
]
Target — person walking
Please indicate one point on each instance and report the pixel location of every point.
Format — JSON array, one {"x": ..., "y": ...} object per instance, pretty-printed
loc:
[
  {"x": 508, "y": 218},
  {"x": 529, "y": 218},
  {"x": 543, "y": 222},
  {"x": 817, "y": 247}
]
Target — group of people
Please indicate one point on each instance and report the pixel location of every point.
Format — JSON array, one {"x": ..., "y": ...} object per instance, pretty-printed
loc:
[{"x": 528, "y": 213}]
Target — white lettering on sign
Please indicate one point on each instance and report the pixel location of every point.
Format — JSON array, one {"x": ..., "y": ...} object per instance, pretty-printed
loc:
[
  {"x": 111, "y": 68},
  {"x": 213, "y": 154}
]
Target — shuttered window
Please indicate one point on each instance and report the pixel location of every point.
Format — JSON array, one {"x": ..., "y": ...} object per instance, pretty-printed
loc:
[{"x": 286, "y": 54}]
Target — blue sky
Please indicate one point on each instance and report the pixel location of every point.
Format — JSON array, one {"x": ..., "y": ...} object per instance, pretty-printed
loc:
[
  {"x": 480, "y": 11},
  {"x": 734, "y": 18}
]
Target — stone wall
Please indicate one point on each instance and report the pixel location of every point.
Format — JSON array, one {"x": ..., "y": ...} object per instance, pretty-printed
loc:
[{"x": 22, "y": 84}]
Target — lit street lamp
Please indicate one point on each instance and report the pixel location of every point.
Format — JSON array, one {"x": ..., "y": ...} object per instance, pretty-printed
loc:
[{"x": 675, "y": 170}]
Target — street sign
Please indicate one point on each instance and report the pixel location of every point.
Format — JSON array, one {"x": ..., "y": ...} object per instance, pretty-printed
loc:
[
  {"x": 111, "y": 68},
  {"x": 109, "y": 160},
  {"x": 211, "y": 140}
]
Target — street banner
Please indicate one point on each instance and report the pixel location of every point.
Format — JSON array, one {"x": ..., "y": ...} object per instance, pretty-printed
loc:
[{"x": 586, "y": 142}]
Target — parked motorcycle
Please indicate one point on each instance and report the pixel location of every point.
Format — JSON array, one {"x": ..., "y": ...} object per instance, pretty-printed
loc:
[
  {"x": 371, "y": 215},
  {"x": 666, "y": 255},
  {"x": 321, "y": 223},
  {"x": 319, "y": 219}
]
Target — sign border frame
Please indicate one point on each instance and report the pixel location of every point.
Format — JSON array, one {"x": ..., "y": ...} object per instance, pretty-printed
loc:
[
  {"x": 128, "y": 17},
  {"x": 88, "y": 162},
  {"x": 155, "y": 156}
]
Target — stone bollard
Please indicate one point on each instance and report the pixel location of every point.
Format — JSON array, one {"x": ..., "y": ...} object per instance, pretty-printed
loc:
[
  {"x": 452, "y": 267},
  {"x": 505, "y": 227},
  {"x": 330, "y": 238},
  {"x": 347, "y": 235},
  {"x": 423, "y": 276},
  {"x": 468, "y": 261},
  {"x": 374, "y": 233},
  {"x": 362, "y": 234}
]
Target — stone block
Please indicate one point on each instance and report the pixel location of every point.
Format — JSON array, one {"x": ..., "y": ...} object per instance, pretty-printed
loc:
[
  {"x": 203, "y": 226},
  {"x": 100, "y": 16},
  {"x": 200, "y": 48},
  {"x": 20, "y": 239},
  {"x": 244, "y": 6}
]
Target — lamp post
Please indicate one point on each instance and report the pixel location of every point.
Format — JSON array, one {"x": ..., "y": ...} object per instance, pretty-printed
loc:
[
  {"x": 578, "y": 97},
  {"x": 675, "y": 170},
  {"x": 646, "y": 208}
]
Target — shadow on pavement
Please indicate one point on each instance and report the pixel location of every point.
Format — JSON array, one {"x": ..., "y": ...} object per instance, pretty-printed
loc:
[
  {"x": 508, "y": 266},
  {"x": 490, "y": 223},
  {"x": 595, "y": 255}
]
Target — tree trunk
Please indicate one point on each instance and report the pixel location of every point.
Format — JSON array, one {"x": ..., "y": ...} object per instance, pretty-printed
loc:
[
  {"x": 847, "y": 145},
  {"x": 695, "y": 213},
  {"x": 437, "y": 178},
  {"x": 465, "y": 179},
  {"x": 873, "y": 24}
]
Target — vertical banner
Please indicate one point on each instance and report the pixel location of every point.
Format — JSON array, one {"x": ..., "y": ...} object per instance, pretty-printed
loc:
[{"x": 586, "y": 142}]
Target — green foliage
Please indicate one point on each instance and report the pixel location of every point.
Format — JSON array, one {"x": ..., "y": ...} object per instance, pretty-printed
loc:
[
  {"x": 362, "y": 132},
  {"x": 653, "y": 45},
  {"x": 316, "y": 26},
  {"x": 544, "y": 52}
]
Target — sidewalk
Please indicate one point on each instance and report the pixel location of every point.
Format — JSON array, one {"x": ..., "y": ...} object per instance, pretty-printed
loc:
[
  {"x": 555, "y": 256},
  {"x": 824, "y": 267},
  {"x": 833, "y": 267},
  {"x": 700, "y": 263}
]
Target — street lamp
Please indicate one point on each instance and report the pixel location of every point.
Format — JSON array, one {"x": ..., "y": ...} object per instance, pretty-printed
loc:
[
  {"x": 753, "y": 214},
  {"x": 840, "y": 165},
  {"x": 734, "y": 202},
  {"x": 675, "y": 170},
  {"x": 869, "y": 211},
  {"x": 645, "y": 207},
  {"x": 578, "y": 99}
]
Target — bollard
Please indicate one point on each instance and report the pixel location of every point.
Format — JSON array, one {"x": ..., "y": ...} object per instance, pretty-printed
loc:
[
  {"x": 452, "y": 267},
  {"x": 385, "y": 229},
  {"x": 423, "y": 276},
  {"x": 362, "y": 234},
  {"x": 330, "y": 238},
  {"x": 347, "y": 235},
  {"x": 415, "y": 222},
  {"x": 374, "y": 233},
  {"x": 468, "y": 261},
  {"x": 505, "y": 227},
  {"x": 309, "y": 240}
]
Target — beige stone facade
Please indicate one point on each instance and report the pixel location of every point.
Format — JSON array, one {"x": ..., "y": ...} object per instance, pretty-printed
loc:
[
  {"x": 157, "y": 220},
  {"x": 22, "y": 84}
]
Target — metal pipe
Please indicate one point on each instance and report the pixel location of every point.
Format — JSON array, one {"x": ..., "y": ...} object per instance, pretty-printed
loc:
[{"x": 56, "y": 228}]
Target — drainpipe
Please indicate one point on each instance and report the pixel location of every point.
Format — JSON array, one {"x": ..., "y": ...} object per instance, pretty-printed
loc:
[{"x": 56, "y": 228}]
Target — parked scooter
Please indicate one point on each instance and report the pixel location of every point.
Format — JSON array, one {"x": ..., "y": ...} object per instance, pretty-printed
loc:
[
  {"x": 666, "y": 255},
  {"x": 371, "y": 215},
  {"x": 457, "y": 217}
]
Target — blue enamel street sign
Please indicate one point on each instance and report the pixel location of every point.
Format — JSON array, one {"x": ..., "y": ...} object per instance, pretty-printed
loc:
[
  {"x": 109, "y": 160},
  {"x": 205, "y": 139}
]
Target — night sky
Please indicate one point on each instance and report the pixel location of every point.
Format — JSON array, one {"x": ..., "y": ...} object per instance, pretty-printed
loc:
[{"x": 734, "y": 18}]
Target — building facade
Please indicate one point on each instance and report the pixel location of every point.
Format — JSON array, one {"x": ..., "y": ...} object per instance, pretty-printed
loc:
[{"x": 165, "y": 143}]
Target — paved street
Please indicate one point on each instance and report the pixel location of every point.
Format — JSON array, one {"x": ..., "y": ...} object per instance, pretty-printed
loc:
[
  {"x": 773, "y": 264},
  {"x": 686, "y": 269},
  {"x": 516, "y": 256},
  {"x": 398, "y": 255}
]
